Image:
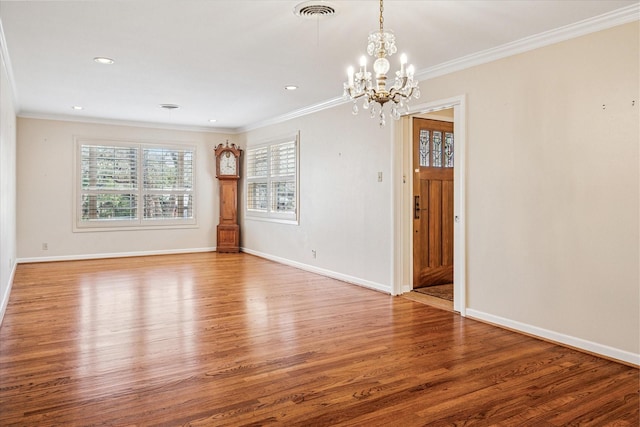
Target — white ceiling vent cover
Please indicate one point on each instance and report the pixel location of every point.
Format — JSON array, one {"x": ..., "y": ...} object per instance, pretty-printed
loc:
[{"x": 315, "y": 9}]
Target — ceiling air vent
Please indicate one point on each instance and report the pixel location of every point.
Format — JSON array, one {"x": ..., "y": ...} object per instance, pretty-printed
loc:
[{"x": 315, "y": 9}]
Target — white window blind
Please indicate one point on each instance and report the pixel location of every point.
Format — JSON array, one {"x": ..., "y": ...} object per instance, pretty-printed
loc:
[
  {"x": 109, "y": 183},
  {"x": 272, "y": 181},
  {"x": 283, "y": 178},
  {"x": 123, "y": 184},
  {"x": 168, "y": 183},
  {"x": 258, "y": 163}
]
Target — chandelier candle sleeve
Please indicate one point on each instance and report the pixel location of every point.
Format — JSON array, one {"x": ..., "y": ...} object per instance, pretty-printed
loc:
[
  {"x": 410, "y": 72},
  {"x": 360, "y": 85}
]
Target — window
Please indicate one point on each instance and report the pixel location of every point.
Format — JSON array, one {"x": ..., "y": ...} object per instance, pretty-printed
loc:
[
  {"x": 433, "y": 151},
  {"x": 272, "y": 181},
  {"x": 133, "y": 185}
]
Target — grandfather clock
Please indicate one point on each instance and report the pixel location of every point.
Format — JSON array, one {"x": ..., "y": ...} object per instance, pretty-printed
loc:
[{"x": 228, "y": 173}]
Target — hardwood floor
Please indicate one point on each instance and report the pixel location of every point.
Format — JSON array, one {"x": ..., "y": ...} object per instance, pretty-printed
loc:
[{"x": 230, "y": 339}]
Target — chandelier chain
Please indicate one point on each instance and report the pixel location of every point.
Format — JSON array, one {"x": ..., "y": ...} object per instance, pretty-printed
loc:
[{"x": 381, "y": 17}]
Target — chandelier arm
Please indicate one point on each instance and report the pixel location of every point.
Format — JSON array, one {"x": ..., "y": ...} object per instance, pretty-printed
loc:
[
  {"x": 356, "y": 96},
  {"x": 396, "y": 95},
  {"x": 396, "y": 91},
  {"x": 405, "y": 79}
]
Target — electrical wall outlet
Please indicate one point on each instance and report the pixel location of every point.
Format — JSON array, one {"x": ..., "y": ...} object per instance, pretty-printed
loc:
[
  {"x": 45, "y": 246},
  {"x": 379, "y": 176},
  {"x": 313, "y": 253}
]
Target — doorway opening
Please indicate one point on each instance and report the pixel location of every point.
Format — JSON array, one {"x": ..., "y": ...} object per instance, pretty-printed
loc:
[
  {"x": 433, "y": 145},
  {"x": 451, "y": 253}
]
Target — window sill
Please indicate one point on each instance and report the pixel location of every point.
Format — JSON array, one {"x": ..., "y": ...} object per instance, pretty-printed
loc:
[
  {"x": 136, "y": 227},
  {"x": 271, "y": 219}
]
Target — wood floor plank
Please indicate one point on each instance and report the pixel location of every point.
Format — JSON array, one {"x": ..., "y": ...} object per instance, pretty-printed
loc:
[{"x": 231, "y": 339}]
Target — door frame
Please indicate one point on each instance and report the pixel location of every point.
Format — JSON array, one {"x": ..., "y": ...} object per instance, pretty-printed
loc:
[{"x": 402, "y": 214}]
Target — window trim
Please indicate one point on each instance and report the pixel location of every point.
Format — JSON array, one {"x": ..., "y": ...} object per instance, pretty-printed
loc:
[
  {"x": 282, "y": 218},
  {"x": 79, "y": 225}
]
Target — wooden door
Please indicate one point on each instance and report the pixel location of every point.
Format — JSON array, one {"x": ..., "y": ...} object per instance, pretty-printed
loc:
[{"x": 433, "y": 202}]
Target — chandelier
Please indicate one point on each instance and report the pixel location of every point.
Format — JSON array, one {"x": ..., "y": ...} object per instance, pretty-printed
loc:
[{"x": 382, "y": 43}]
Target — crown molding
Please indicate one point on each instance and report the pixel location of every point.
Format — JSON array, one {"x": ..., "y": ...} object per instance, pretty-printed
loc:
[
  {"x": 6, "y": 63},
  {"x": 611, "y": 19},
  {"x": 118, "y": 122},
  {"x": 617, "y": 17},
  {"x": 325, "y": 105}
]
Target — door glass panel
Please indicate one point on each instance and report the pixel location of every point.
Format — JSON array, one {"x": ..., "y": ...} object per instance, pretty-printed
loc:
[
  {"x": 448, "y": 150},
  {"x": 437, "y": 149},
  {"x": 424, "y": 147}
]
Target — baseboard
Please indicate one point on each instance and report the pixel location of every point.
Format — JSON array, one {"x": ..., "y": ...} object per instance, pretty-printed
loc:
[
  {"x": 322, "y": 271},
  {"x": 605, "y": 351},
  {"x": 5, "y": 298},
  {"x": 113, "y": 255}
]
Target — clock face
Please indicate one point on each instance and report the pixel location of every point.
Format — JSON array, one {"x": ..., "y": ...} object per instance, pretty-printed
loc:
[{"x": 228, "y": 164}]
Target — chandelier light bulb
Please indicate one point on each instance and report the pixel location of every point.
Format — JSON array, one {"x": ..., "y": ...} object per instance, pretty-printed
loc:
[{"x": 350, "y": 75}]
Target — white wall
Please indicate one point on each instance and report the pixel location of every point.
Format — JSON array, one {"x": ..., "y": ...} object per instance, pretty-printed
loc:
[
  {"x": 345, "y": 213},
  {"x": 7, "y": 185},
  {"x": 553, "y": 189},
  {"x": 45, "y": 193}
]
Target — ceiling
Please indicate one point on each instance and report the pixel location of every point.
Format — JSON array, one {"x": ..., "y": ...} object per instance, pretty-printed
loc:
[{"x": 229, "y": 60}]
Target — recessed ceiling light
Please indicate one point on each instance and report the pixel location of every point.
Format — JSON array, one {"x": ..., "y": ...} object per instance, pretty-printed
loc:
[
  {"x": 169, "y": 106},
  {"x": 212, "y": 120},
  {"x": 76, "y": 107},
  {"x": 103, "y": 60},
  {"x": 291, "y": 87}
]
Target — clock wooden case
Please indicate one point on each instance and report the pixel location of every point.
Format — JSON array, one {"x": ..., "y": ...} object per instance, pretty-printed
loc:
[{"x": 228, "y": 173}]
